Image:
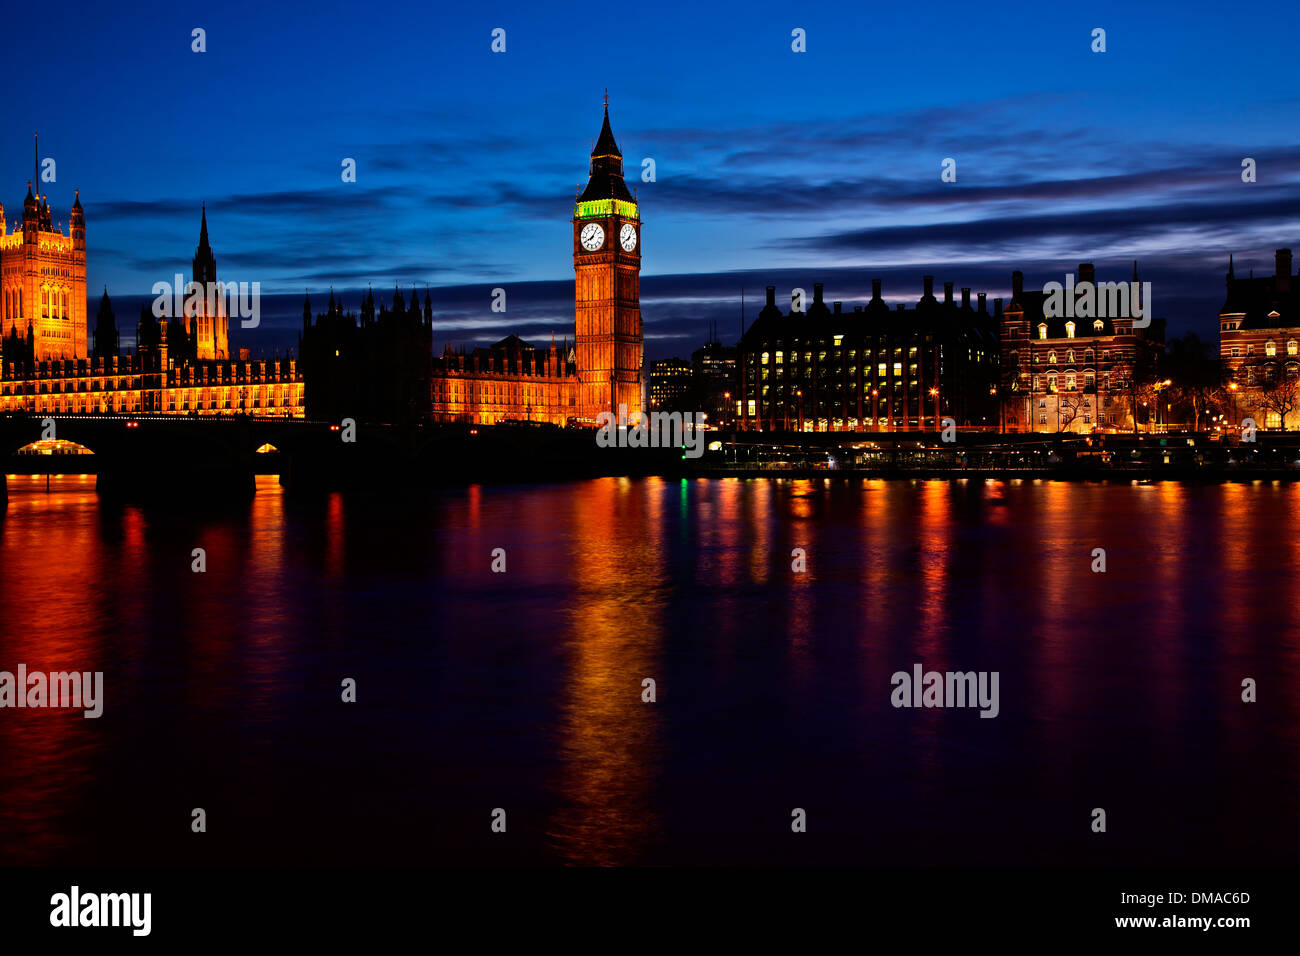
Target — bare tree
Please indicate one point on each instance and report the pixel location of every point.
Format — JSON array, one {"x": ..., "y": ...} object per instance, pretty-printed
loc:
[
  {"x": 1280, "y": 394},
  {"x": 1196, "y": 373},
  {"x": 1070, "y": 404}
]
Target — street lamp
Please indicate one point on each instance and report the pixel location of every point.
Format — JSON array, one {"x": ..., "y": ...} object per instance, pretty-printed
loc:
[
  {"x": 1232, "y": 387},
  {"x": 1056, "y": 400},
  {"x": 1158, "y": 387},
  {"x": 875, "y": 409},
  {"x": 799, "y": 394},
  {"x": 934, "y": 393}
]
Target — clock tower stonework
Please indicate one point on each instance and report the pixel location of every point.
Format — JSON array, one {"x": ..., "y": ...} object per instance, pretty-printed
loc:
[{"x": 607, "y": 286}]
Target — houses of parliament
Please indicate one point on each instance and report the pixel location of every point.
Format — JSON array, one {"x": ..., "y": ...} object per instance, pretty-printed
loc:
[
  {"x": 377, "y": 365},
  {"x": 604, "y": 368},
  {"x": 181, "y": 365}
]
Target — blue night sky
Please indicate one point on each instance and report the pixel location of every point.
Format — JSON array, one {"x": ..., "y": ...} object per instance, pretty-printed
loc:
[{"x": 773, "y": 167}]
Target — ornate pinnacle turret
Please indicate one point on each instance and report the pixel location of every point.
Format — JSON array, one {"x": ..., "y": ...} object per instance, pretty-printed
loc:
[
  {"x": 606, "y": 179},
  {"x": 205, "y": 263}
]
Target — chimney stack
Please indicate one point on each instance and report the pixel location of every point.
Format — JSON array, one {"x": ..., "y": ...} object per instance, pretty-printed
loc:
[
  {"x": 1086, "y": 272},
  {"x": 929, "y": 287},
  {"x": 875, "y": 288},
  {"x": 837, "y": 307},
  {"x": 1282, "y": 281},
  {"x": 1017, "y": 286},
  {"x": 965, "y": 297},
  {"x": 771, "y": 295},
  {"x": 947, "y": 293},
  {"x": 983, "y": 299},
  {"x": 997, "y": 306},
  {"x": 817, "y": 293}
]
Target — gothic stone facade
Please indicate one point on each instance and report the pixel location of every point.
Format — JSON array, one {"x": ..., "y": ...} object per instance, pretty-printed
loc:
[
  {"x": 43, "y": 281},
  {"x": 513, "y": 380},
  {"x": 180, "y": 366}
]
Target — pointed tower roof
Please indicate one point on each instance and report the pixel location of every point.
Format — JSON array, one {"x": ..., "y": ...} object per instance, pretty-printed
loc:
[
  {"x": 203, "y": 231},
  {"x": 606, "y": 179},
  {"x": 605, "y": 145}
]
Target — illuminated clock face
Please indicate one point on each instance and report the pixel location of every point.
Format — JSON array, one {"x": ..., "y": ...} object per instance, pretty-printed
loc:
[
  {"x": 592, "y": 236},
  {"x": 627, "y": 236}
]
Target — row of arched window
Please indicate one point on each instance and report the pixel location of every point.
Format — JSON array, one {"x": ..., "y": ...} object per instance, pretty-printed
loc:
[
  {"x": 1070, "y": 327},
  {"x": 1089, "y": 357},
  {"x": 11, "y": 305},
  {"x": 55, "y": 300}
]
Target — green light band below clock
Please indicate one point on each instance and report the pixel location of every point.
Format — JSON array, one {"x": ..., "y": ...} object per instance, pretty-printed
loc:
[{"x": 594, "y": 208}]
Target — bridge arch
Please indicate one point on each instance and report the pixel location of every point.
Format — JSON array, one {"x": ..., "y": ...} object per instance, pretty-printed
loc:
[{"x": 53, "y": 446}]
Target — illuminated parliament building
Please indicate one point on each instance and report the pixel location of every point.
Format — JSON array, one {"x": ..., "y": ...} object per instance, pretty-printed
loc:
[
  {"x": 513, "y": 380},
  {"x": 378, "y": 366},
  {"x": 181, "y": 365}
]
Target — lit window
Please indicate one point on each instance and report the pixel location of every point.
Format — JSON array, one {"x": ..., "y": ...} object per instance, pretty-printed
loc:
[
  {"x": 1292, "y": 347},
  {"x": 1097, "y": 325},
  {"x": 1069, "y": 330},
  {"x": 1051, "y": 358},
  {"x": 1042, "y": 330},
  {"x": 1270, "y": 347}
]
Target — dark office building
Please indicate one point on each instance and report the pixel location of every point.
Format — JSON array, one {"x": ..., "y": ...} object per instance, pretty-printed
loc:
[
  {"x": 670, "y": 385},
  {"x": 714, "y": 371},
  {"x": 873, "y": 368}
]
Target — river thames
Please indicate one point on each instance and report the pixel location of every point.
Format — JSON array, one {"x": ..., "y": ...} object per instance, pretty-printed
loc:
[{"x": 522, "y": 689}]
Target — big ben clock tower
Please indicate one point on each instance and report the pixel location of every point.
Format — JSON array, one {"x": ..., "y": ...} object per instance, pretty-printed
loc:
[{"x": 607, "y": 285}]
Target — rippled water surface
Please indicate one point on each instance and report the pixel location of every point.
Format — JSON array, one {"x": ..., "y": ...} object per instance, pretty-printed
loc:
[{"x": 523, "y": 690}]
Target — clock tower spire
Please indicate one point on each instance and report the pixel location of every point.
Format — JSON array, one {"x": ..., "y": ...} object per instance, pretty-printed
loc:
[{"x": 607, "y": 285}]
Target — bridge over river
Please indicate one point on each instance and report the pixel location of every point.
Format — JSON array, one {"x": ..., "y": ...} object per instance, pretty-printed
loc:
[{"x": 147, "y": 458}]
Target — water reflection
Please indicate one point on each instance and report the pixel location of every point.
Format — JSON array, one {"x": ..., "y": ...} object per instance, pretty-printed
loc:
[{"x": 1119, "y": 688}]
